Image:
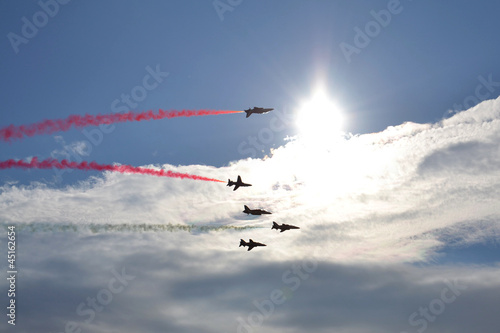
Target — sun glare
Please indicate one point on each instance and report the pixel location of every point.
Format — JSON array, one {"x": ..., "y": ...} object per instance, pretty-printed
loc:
[{"x": 319, "y": 119}]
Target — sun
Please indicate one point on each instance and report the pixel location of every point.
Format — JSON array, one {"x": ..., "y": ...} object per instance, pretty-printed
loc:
[{"x": 319, "y": 119}]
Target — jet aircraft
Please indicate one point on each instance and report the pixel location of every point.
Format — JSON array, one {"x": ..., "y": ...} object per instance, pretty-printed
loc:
[
  {"x": 237, "y": 183},
  {"x": 257, "y": 110},
  {"x": 283, "y": 227},
  {"x": 251, "y": 244},
  {"x": 255, "y": 211}
]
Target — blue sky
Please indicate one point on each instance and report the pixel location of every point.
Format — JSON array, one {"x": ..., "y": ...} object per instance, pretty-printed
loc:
[{"x": 404, "y": 181}]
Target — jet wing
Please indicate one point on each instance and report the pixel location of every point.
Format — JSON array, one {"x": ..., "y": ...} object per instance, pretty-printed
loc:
[
  {"x": 236, "y": 187},
  {"x": 250, "y": 247}
]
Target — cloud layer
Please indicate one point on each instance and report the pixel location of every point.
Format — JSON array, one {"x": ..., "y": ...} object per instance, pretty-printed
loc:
[{"x": 367, "y": 206}]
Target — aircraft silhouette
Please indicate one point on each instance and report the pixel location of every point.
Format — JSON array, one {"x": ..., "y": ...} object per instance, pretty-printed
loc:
[
  {"x": 237, "y": 183},
  {"x": 257, "y": 110},
  {"x": 255, "y": 211},
  {"x": 283, "y": 227},
  {"x": 251, "y": 244}
]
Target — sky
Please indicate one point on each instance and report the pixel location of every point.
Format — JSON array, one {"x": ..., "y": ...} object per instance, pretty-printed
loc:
[{"x": 383, "y": 147}]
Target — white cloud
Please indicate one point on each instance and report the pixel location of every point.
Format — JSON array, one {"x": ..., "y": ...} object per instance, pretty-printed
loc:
[
  {"x": 76, "y": 148},
  {"x": 376, "y": 197}
]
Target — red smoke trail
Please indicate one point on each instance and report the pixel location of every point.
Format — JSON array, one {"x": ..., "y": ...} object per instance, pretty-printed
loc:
[
  {"x": 64, "y": 164},
  {"x": 57, "y": 125}
]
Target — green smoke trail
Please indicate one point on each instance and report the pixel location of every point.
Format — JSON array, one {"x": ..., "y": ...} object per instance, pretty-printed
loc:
[{"x": 123, "y": 227}]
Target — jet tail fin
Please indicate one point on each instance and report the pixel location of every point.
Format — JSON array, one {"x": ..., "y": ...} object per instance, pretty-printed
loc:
[{"x": 248, "y": 113}]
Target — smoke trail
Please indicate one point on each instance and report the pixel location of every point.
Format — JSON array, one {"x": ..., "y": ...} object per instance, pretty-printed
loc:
[
  {"x": 77, "y": 121},
  {"x": 64, "y": 164},
  {"x": 123, "y": 227}
]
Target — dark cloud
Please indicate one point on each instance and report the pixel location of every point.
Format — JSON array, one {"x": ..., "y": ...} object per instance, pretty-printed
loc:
[
  {"x": 192, "y": 290},
  {"x": 468, "y": 157}
]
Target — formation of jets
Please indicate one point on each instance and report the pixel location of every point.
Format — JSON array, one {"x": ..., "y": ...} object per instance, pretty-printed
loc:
[
  {"x": 283, "y": 227},
  {"x": 239, "y": 183},
  {"x": 251, "y": 244},
  {"x": 257, "y": 110}
]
